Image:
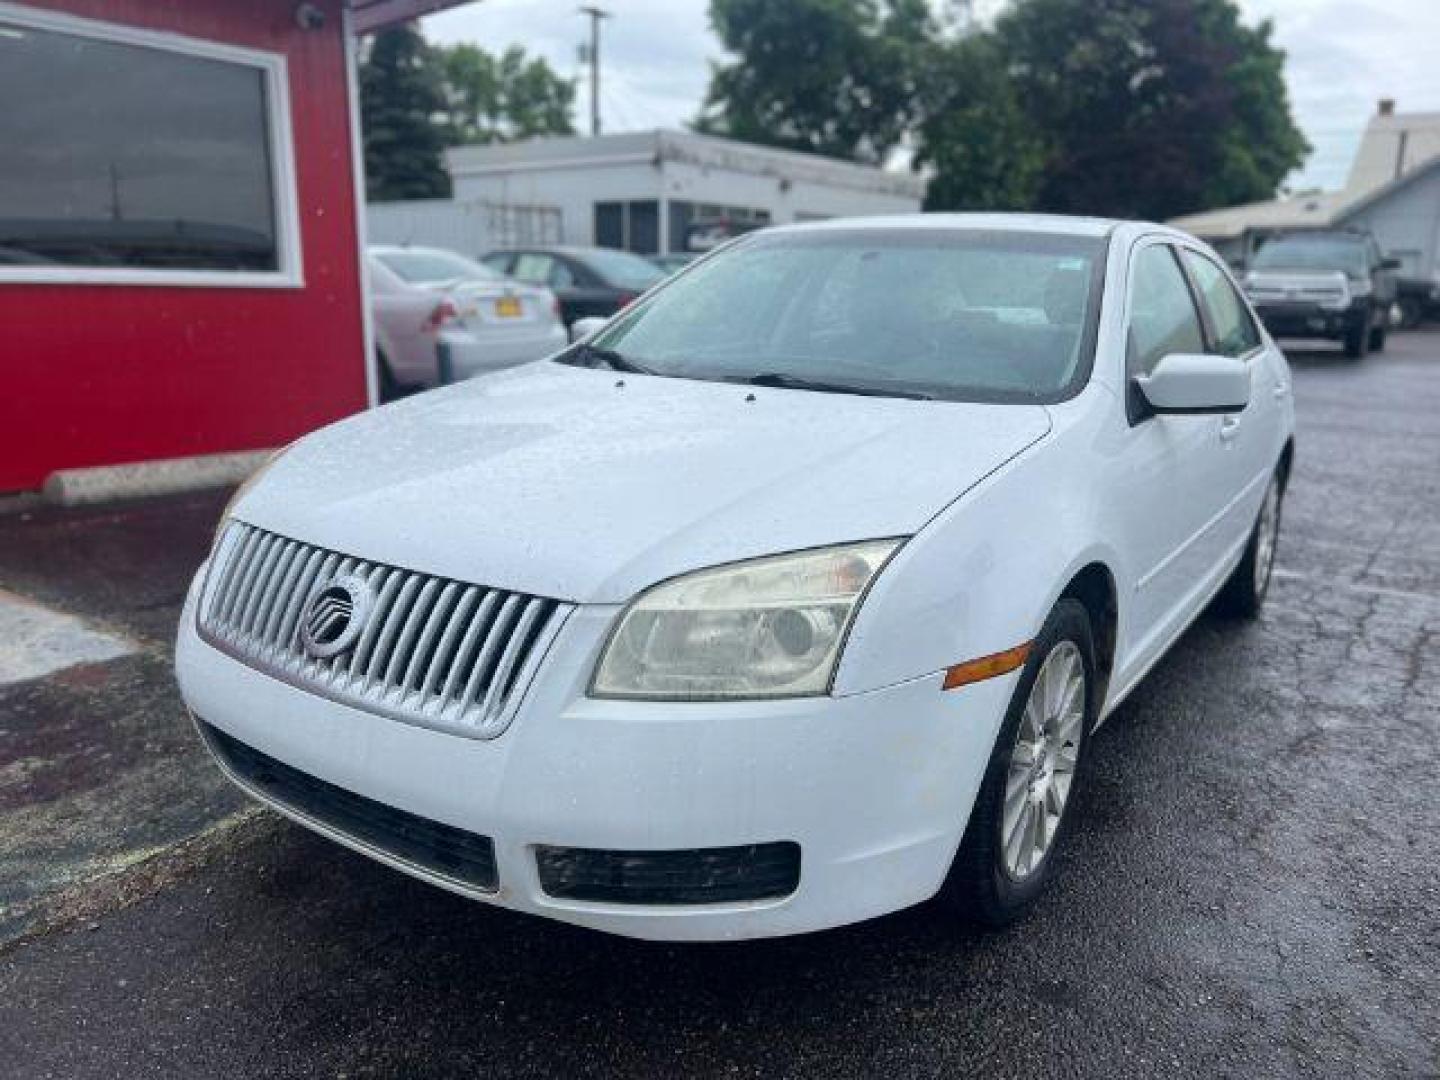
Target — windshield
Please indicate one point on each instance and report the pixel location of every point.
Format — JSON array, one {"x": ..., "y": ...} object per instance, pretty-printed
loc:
[
  {"x": 624, "y": 270},
  {"x": 1313, "y": 253},
  {"x": 435, "y": 267},
  {"x": 959, "y": 313}
]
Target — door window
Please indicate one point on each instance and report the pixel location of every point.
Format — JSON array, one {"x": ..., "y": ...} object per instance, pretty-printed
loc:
[
  {"x": 533, "y": 269},
  {"x": 1235, "y": 333},
  {"x": 1162, "y": 312}
]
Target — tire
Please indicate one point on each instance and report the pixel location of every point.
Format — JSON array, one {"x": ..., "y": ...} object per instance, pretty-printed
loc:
[
  {"x": 1377, "y": 338},
  {"x": 390, "y": 388},
  {"x": 1243, "y": 594},
  {"x": 1356, "y": 339},
  {"x": 982, "y": 886}
]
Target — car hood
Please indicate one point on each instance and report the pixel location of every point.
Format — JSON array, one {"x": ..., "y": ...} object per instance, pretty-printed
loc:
[{"x": 588, "y": 486}]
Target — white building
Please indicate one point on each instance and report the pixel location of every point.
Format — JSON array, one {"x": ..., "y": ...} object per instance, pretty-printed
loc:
[
  {"x": 1392, "y": 191},
  {"x": 646, "y": 190}
]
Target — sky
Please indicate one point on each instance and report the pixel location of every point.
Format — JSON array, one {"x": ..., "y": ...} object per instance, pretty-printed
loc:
[{"x": 1343, "y": 56}]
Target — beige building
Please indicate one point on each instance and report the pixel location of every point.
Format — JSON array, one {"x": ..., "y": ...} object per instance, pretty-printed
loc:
[{"x": 1392, "y": 191}]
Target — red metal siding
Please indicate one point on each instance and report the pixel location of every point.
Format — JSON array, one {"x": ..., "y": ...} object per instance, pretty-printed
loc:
[{"x": 96, "y": 375}]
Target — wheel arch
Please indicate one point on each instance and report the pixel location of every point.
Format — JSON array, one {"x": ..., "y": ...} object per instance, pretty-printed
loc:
[{"x": 1094, "y": 586}]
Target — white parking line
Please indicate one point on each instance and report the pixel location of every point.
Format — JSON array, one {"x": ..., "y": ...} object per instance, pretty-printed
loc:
[{"x": 36, "y": 641}]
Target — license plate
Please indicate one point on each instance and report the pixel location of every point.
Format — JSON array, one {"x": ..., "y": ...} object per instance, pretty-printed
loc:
[{"x": 508, "y": 307}]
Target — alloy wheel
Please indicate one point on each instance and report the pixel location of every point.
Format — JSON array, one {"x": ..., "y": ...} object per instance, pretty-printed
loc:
[
  {"x": 1043, "y": 761},
  {"x": 1266, "y": 531}
]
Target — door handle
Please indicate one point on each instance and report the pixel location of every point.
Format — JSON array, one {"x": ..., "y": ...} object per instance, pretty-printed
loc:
[
  {"x": 1280, "y": 390},
  {"x": 1229, "y": 428}
]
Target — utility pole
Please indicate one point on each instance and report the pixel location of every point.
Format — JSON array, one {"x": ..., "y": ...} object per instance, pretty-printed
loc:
[{"x": 593, "y": 55}]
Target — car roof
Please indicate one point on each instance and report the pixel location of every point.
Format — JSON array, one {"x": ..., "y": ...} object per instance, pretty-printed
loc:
[
  {"x": 412, "y": 249},
  {"x": 1036, "y": 223},
  {"x": 572, "y": 250}
]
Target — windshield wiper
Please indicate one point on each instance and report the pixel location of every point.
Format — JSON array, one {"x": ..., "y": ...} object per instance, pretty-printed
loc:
[
  {"x": 794, "y": 382},
  {"x": 610, "y": 358}
]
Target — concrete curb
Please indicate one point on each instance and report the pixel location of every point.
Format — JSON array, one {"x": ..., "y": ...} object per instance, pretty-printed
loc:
[{"x": 107, "y": 483}]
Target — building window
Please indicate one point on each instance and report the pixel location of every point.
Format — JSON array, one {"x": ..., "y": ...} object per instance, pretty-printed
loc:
[
  {"x": 629, "y": 226},
  {"x": 136, "y": 158},
  {"x": 702, "y": 226}
]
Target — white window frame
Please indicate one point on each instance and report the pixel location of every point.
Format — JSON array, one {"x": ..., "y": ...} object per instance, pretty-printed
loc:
[{"x": 280, "y": 133}]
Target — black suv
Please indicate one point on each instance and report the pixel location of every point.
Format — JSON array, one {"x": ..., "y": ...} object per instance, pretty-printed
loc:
[{"x": 1327, "y": 284}]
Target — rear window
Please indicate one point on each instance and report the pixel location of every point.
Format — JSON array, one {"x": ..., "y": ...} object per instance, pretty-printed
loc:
[
  {"x": 435, "y": 267},
  {"x": 623, "y": 270}
]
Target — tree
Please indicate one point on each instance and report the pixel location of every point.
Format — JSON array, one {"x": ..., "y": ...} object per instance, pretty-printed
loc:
[
  {"x": 500, "y": 99},
  {"x": 417, "y": 99},
  {"x": 976, "y": 139},
  {"x": 402, "y": 99},
  {"x": 1150, "y": 108},
  {"x": 833, "y": 77}
]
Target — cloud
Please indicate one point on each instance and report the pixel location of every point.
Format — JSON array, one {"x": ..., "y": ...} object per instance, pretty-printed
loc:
[
  {"x": 655, "y": 59},
  {"x": 654, "y": 53},
  {"x": 1342, "y": 57}
]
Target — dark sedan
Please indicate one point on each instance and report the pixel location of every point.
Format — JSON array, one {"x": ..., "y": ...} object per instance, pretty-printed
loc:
[{"x": 588, "y": 282}]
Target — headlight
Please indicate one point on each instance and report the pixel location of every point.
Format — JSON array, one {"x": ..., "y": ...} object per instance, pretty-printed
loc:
[{"x": 771, "y": 627}]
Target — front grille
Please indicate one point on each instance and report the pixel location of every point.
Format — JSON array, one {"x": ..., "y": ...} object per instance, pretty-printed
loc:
[
  {"x": 464, "y": 857},
  {"x": 1318, "y": 294},
  {"x": 433, "y": 652},
  {"x": 694, "y": 876}
]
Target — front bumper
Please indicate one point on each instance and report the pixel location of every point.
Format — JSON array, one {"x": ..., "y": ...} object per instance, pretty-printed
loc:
[
  {"x": 875, "y": 787},
  {"x": 469, "y": 353},
  {"x": 1309, "y": 320}
]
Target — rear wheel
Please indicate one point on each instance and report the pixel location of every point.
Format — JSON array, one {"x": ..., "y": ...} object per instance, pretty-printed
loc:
[
  {"x": 1244, "y": 593},
  {"x": 390, "y": 388},
  {"x": 1020, "y": 820}
]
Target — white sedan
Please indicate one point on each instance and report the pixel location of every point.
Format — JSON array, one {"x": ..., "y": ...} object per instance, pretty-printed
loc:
[
  {"x": 787, "y": 598},
  {"x": 439, "y": 317}
]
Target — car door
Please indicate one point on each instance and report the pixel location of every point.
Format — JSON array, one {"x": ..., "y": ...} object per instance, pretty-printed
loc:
[
  {"x": 1250, "y": 440},
  {"x": 1170, "y": 485},
  {"x": 592, "y": 296}
]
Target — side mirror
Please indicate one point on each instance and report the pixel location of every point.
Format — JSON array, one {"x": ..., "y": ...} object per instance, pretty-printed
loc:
[
  {"x": 1390, "y": 263},
  {"x": 581, "y": 329},
  {"x": 1187, "y": 383}
]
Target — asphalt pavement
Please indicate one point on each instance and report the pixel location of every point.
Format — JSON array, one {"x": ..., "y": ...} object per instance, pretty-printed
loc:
[{"x": 1252, "y": 888}]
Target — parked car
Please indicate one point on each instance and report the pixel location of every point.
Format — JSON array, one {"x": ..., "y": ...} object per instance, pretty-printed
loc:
[
  {"x": 718, "y": 628},
  {"x": 1417, "y": 301},
  {"x": 440, "y": 317},
  {"x": 1326, "y": 284},
  {"x": 590, "y": 282},
  {"x": 675, "y": 261}
]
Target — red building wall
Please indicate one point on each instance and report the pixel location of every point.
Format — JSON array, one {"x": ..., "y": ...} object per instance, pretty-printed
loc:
[{"x": 104, "y": 374}]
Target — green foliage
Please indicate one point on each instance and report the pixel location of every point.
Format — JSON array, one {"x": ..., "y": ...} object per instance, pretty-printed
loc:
[
  {"x": 1150, "y": 108},
  {"x": 500, "y": 99},
  {"x": 416, "y": 99},
  {"x": 1126, "y": 108},
  {"x": 976, "y": 137},
  {"x": 401, "y": 99},
  {"x": 833, "y": 77}
]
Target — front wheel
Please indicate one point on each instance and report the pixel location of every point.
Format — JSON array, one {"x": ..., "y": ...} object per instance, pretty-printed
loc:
[
  {"x": 1357, "y": 341},
  {"x": 1020, "y": 820},
  {"x": 1244, "y": 593},
  {"x": 1377, "y": 338}
]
